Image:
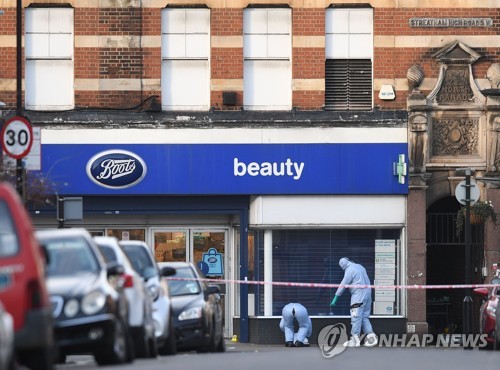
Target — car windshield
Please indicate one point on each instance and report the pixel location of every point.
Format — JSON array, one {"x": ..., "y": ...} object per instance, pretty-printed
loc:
[
  {"x": 108, "y": 253},
  {"x": 69, "y": 256},
  {"x": 140, "y": 260},
  {"x": 9, "y": 243},
  {"x": 184, "y": 287}
]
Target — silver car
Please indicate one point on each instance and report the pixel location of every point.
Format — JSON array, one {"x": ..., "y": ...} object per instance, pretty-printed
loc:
[
  {"x": 140, "y": 302},
  {"x": 141, "y": 257}
]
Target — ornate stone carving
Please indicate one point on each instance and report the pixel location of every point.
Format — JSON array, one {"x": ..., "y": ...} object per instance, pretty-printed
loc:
[
  {"x": 455, "y": 85},
  {"x": 415, "y": 76},
  {"x": 455, "y": 136},
  {"x": 455, "y": 88},
  {"x": 493, "y": 75},
  {"x": 418, "y": 143},
  {"x": 494, "y": 144}
]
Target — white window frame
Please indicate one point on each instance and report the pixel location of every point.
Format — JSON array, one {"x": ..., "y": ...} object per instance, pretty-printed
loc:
[
  {"x": 349, "y": 36},
  {"x": 349, "y": 33},
  {"x": 49, "y": 58},
  {"x": 267, "y": 52},
  {"x": 185, "y": 53}
]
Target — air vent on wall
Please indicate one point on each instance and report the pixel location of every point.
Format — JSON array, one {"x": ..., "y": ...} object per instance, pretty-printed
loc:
[
  {"x": 348, "y": 84},
  {"x": 229, "y": 98}
]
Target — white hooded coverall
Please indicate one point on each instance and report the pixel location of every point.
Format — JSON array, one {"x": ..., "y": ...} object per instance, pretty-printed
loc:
[
  {"x": 295, "y": 311},
  {"x": 355, "y": 274}
]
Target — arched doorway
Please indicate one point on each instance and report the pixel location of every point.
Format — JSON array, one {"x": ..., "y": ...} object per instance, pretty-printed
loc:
[{"x": 446, "y": 266}]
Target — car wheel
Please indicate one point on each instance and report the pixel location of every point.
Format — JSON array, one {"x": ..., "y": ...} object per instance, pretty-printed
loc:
[
  {"x": 61, "y": 359},
  {"x": 40, "y": 359},
  {"x": 118, "y": 352},
  {"x": 153, "y": 348},
  {"x": 141, "y": 342},
  {"x": 170, "y": 346},
  {"x": 130, "y": 348},
  {"x": 221, "y": 346},
  {"x": 212, "y": 345}
]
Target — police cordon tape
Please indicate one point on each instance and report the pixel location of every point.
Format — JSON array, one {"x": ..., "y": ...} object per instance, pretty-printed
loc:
[{"x": 323, "y": 285}]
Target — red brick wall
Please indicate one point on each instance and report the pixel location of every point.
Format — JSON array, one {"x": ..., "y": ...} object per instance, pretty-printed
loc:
[{"x": 114, "y": 62}]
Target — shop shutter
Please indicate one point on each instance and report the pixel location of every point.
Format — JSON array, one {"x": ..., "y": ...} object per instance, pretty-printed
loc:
[{"x": 348, "y": 84}]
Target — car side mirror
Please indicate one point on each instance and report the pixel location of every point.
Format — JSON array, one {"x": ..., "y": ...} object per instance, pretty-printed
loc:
[
  {"x": 481, "y": 292},
  {"x": 167, "y": 271},
  {"x": 115, "y": 269}
]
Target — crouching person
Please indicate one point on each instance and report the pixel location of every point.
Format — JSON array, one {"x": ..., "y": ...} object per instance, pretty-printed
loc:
[{"x": 290, "y": 313}]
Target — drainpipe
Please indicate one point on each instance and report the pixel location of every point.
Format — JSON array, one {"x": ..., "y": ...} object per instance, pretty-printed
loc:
[
  {"x": 244, "y": 324},
  {"x": 19, "y": 78}
]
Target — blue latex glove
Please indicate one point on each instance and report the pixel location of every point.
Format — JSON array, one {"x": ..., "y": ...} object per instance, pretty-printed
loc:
[{"x": 334, "y": 301}]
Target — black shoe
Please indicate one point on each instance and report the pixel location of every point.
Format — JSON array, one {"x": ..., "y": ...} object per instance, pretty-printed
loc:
[
  {"x": 289, "y": 344},
  {"x": 299, "y": 344}
]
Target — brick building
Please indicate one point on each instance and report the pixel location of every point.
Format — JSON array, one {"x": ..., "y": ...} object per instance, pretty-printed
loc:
[{"x": 271, "y": 131}]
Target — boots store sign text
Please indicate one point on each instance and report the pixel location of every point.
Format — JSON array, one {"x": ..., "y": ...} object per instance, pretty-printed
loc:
[{"x": 197, "y": 169}]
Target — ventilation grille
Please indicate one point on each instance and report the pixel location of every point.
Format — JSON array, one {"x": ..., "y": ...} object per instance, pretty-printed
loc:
[{"x": 348, "y": 84}]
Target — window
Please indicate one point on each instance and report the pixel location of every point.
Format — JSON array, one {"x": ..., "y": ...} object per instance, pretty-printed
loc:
[
  {"x": 349, "y": 55},
  {"x": 267, "y": 50},
  {"x": 9, "y": 243},
  {"x": 312, "y": 257},
  {"x": 127, "y": 234},
  {"x": 185, "y": 52},
  {"x": 49, "y": 75}
]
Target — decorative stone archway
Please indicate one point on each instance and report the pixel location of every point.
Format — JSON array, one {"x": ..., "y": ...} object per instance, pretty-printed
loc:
[{"x": 455, "y": 126}]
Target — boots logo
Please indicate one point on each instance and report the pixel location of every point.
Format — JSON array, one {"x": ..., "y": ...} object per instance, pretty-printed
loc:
[{"x": 116, "y": 169}]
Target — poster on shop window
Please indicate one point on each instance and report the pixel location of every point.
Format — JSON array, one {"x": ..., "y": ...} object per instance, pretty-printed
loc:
[{"x": 213, "y": 261}]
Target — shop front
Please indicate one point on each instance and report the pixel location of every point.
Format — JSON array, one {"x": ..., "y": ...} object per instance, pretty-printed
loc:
[{"x": 271, "y": 206}]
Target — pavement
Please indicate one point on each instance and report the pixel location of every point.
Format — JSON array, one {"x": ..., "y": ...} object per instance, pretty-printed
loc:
[{"x": 251, "y": 347}]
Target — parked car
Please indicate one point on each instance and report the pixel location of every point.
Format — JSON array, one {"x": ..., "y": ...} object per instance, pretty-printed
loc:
[
  {"x": 7, "y": 359},
  {"x": 142, "y": 260},
  {"x": 140, "y": 319},
  {"x": 197, "y": 308},
  {"x": 90, "y": 311},
  {"x": 489, "y": 316},
  {"x": 23, "y": 290}
]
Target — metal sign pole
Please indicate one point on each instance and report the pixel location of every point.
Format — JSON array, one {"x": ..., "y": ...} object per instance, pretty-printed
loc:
[
  {"x": 467, "y": 305},
  {"x": 19, "y": 55}
]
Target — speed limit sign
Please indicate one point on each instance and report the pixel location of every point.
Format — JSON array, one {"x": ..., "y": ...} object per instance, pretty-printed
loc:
[{"x": 17, "y": 137}]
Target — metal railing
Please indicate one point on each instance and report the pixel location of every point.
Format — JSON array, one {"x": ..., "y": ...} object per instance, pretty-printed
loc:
[{"x": 441, "y": 230}]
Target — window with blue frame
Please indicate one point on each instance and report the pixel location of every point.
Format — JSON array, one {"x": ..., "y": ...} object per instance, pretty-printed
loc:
[{"x": 312, "y": 256}]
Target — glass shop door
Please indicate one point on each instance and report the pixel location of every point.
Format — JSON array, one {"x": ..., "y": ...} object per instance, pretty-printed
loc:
[{"x": 204, "y": 247}]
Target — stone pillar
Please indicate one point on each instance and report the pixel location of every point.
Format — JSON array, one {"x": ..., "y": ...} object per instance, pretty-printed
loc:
[
  {"x": 492, "y": 232},
  {"x": 492, "y": 191},
  {"x": 416, "y": 260},
  {"x": 418, "y": 142}
]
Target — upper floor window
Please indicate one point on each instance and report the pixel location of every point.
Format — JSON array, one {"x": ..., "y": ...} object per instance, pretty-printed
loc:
[
  {"x": 349, "y": 56},
  {"x": 185, "y": 53},
  {"x": 267, "y": 51},
  {"x": 49, "y": 72}
]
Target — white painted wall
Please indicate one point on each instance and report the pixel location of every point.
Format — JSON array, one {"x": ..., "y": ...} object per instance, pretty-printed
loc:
[
  {"x": 328, "y": 210},
  {"x": 305, "y": 135}
]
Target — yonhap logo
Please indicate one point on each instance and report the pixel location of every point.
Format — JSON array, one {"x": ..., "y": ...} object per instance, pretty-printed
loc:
[
  {"x": 331, "y": 340},
  {"x": 116, "y": 169}
]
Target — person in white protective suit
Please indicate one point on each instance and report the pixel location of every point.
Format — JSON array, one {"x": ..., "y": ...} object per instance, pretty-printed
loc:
[
  {"x": 361, "y": 303},
  {"x": 290, "y": 313}
]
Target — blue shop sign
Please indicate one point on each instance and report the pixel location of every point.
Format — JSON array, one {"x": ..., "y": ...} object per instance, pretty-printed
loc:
[{"x": 239, "y": 169}]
